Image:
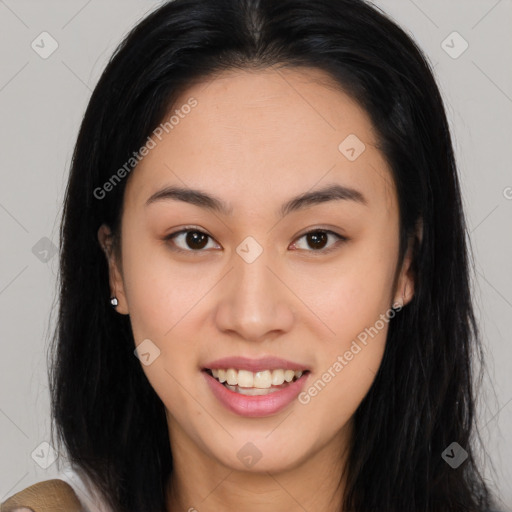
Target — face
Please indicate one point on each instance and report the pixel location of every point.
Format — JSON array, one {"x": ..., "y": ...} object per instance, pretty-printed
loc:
[{"x": 305, "y": 287}]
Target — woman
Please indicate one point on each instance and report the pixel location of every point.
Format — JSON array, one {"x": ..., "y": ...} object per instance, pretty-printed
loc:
[{"x": 265, "y": 297}]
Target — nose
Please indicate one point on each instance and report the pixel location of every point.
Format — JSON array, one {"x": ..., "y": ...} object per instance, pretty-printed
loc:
[{"x": 255, "y": 303}]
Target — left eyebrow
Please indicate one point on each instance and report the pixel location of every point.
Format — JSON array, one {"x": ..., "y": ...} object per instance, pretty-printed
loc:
[{"x": 199, "y": 198}]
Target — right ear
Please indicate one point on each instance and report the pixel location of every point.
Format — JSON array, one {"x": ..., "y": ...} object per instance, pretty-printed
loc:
[{"x": 115, "y": 275}]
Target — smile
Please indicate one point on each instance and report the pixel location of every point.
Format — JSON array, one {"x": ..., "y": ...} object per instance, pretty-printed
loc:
[
  {"x": 255, "y": 394},
  {"x": 259, "y": 382}
]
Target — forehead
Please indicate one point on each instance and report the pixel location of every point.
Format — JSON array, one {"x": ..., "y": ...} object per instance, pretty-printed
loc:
[{"x": 257, "y": 135}]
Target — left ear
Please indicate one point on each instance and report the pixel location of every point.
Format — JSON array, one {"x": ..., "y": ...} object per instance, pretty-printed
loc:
[{"x": 406, "y": 281}]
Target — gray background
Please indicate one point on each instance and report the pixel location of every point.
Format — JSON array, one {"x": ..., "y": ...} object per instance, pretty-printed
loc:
[{"x": 42, "y": 102}]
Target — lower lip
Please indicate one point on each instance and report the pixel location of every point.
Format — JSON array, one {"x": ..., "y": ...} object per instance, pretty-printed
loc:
[{"x": 255, "y": 406}]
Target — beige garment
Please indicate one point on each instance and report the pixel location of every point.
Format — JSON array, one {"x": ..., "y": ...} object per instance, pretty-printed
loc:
[
  {"x": 47, "y": 496},
  {"x": 87, "y": 493}
]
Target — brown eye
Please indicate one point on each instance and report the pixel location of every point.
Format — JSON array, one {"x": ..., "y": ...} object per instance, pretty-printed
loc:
[
  {"x": 191, "y": 240},
  {"x": 317, "y": 240},
  {"x": 196, "y": 240}
]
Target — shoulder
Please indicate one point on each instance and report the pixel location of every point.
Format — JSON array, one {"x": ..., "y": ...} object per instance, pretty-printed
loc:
[
  {"x": 45, "y": 496},
  {"x": 88, "y": 494},
  {"x": 71, "y": 491}
]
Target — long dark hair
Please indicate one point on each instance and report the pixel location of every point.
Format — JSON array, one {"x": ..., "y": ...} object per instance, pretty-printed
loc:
[{"x": 107, "y": 415}]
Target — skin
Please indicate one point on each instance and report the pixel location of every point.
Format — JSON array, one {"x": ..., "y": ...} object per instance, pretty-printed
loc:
[{"x": 256, "y": 139}]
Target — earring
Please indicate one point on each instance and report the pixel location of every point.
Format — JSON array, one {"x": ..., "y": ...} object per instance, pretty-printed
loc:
[{"x": 114, "y": 301}]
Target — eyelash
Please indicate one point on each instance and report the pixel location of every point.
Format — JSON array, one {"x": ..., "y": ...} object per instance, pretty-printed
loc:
[{"x": 191, "y": 229}]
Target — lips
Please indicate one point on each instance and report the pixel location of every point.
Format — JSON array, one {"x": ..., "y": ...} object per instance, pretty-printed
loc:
[{"x": 250, "y": 402}]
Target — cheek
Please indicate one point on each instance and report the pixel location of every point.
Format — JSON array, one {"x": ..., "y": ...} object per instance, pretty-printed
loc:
[
  {"x": 349, "y": 294},
  {"x": 159, "y": 292},
  {"x": 159, "y": 298},
  {"x": 356, "y": 308},
  {"x": 344, "y": 375}
]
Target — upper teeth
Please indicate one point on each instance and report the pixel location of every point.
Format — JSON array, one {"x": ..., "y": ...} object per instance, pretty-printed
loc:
[{"x": 263, "y": 379}]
